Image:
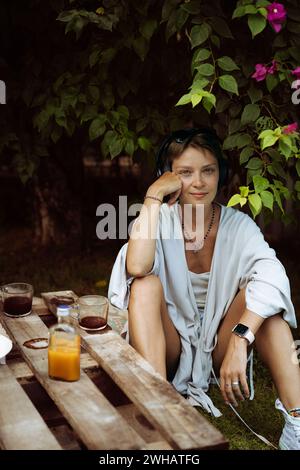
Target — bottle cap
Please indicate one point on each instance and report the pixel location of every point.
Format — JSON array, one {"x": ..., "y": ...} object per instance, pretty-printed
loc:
[{"x": 63, "y": 310}]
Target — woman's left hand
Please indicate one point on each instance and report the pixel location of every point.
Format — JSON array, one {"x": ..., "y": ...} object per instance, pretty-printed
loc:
[{"x": 233, "y": 371}]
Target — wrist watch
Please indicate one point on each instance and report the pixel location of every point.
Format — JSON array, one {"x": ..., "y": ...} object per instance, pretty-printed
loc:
[{"x": 243, "y": 331}]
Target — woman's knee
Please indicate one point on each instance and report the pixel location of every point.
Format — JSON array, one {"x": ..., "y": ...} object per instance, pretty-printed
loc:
[{"x": 146, "y": 286}]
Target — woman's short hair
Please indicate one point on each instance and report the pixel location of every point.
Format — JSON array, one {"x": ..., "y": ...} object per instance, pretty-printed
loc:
[{"x": 201, "y": 137}]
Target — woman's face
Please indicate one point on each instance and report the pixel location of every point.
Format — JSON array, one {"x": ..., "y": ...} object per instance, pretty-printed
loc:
[{"x": 198, "y": 170}]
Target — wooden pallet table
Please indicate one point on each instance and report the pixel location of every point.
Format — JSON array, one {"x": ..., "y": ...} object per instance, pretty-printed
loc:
[{"x": 120, "y": 402}]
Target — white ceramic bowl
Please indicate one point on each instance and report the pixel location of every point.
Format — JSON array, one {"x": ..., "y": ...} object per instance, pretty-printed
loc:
[{"x": 5, "y": 346}]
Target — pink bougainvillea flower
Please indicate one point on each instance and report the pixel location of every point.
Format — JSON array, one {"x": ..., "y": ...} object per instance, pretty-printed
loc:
[
  {"x": 296, "y": 72},
  {"x": 261, "y": 71},
  {"x": 291, "y": 128},
  {"x": 276, "y": 15},
  {"x": 273, "y": 67}
]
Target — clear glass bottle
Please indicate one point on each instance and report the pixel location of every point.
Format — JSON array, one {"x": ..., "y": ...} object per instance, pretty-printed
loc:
[{"x": 64, "y": 348}]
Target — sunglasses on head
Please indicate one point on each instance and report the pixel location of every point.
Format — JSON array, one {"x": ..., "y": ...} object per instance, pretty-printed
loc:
[{"x": 183, "y": 136}]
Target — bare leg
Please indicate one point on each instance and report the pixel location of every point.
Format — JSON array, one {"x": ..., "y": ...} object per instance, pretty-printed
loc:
[
  {"x": 274, "y": 344},
  {"x": 151, "y": 331}
]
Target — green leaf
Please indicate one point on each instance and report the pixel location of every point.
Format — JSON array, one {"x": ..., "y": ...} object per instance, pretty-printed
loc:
[
  {"x": 147, "y": 28},
  {"x": 123, "y": 111},
  {"x": 298, "y": 167},
  {"x": 285, "y": 149},
  {"x": 267, "y": 199},
  {"x": 235, "y": 199},
  {"x": 56, "y": 134},
  {"x": 255, "y": 94},
  {"x": 250, "y": 9},
  {"x": 265, "y": 133},
  {"x": 251, "y": 113},
  {"x": 228, "y": 83},
  {"x": 181, "y": 18},
  {"x": 215, "y": 40},
  {"x": 255, "y": 204},
  {"x": 260, "y": 183},
  {"x": 115, "y": 146},
  {"x": 94, "y": 57},
  {"x": 141, "y": 47},
  {"x": 107, "y": 55},
  {"x": 94, "y": 93},
  {"x": 109, "y": 135},
  {"x": 222, "y": 104},
  {"x": 263, "y": 12},
  {"x": 209, "y": 101},
  {"x": 243, "y": 140},
  {"x": 226, "y": 63},
  {"x": 257, "y": 24},
  {"x": 199, "y": 83},
  {"x": 254, "y": 164},
  {"x": 246, "y": 153},
  {"x": 196, "y": 98},
  {"x": 262, "y": 3},
  {"x": 107, "y": 98},
  {"x": 277, "y": 198},
  {"x": 271, "y": 170},
  {"x": 277, "y": 166},
  {"x": 144, "y": 143},
  {"x": 234, "y": 126},
  {"x": 201, "y": 55},
  {"x": 221, "y": 27},
  {"x": 230, "y": 142},
  {"x": 271, "y": 82},
  {"x": 67, "y": 16},
  {"x": 206, "y": 69},
  {"x": 90, "y": 112},
  {"x": 129, "y": 147},
  {"x": 297, "y": 186},
  {"x": 238, "y": 12},
  {"x": 244, "y": 191},
  {"x": 97, "y": 127},
  {"x": 268, "y": 141},
  {"x": 192, "y": 7},
  {"x": 185, "y": 99},
  {"x": 199, "y": 34}
]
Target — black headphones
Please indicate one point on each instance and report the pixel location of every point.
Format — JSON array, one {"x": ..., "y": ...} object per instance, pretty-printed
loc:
[{"x": 184, "y": 136}]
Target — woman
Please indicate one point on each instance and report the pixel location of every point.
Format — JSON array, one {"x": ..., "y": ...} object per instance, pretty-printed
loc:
[{"x": 197, "y": 303}]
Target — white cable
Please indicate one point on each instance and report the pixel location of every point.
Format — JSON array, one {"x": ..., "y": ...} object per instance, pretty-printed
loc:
[{"x": 262, "y": 438}]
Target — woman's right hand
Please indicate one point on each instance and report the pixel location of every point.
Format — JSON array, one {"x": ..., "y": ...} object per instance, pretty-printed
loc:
[{"x": 168, "y": 183}]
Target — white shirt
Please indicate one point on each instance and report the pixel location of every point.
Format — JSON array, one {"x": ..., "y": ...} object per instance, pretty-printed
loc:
[{"x": 241, "y": 259}]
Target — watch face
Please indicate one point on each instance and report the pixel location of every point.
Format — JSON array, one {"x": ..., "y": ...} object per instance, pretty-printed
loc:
[{"x": 241, "y": 329}]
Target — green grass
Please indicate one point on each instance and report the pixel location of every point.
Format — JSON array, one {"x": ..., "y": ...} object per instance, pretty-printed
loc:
[
  {"x": 259, "y": 414},
  {"x": 65, "y": 268}
]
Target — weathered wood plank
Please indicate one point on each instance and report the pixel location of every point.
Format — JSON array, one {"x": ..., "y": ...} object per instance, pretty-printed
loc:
[
  {"x": 21, "y": 426},
  {"x": 21, "y": 370},
  {"x": 93, "y": 418},
  {"x": 178, "y": 422},
  {"x": 152, "y": 437}
]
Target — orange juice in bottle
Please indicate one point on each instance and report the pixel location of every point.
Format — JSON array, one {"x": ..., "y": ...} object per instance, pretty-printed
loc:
[{"x": 64, "y": 348}]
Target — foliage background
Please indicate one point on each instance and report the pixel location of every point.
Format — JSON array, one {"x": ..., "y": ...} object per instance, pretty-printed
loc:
[{"x": 118, "y": 75}]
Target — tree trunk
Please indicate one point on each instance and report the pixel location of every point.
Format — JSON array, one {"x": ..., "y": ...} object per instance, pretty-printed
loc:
[{"x": 57, "y": 193}]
